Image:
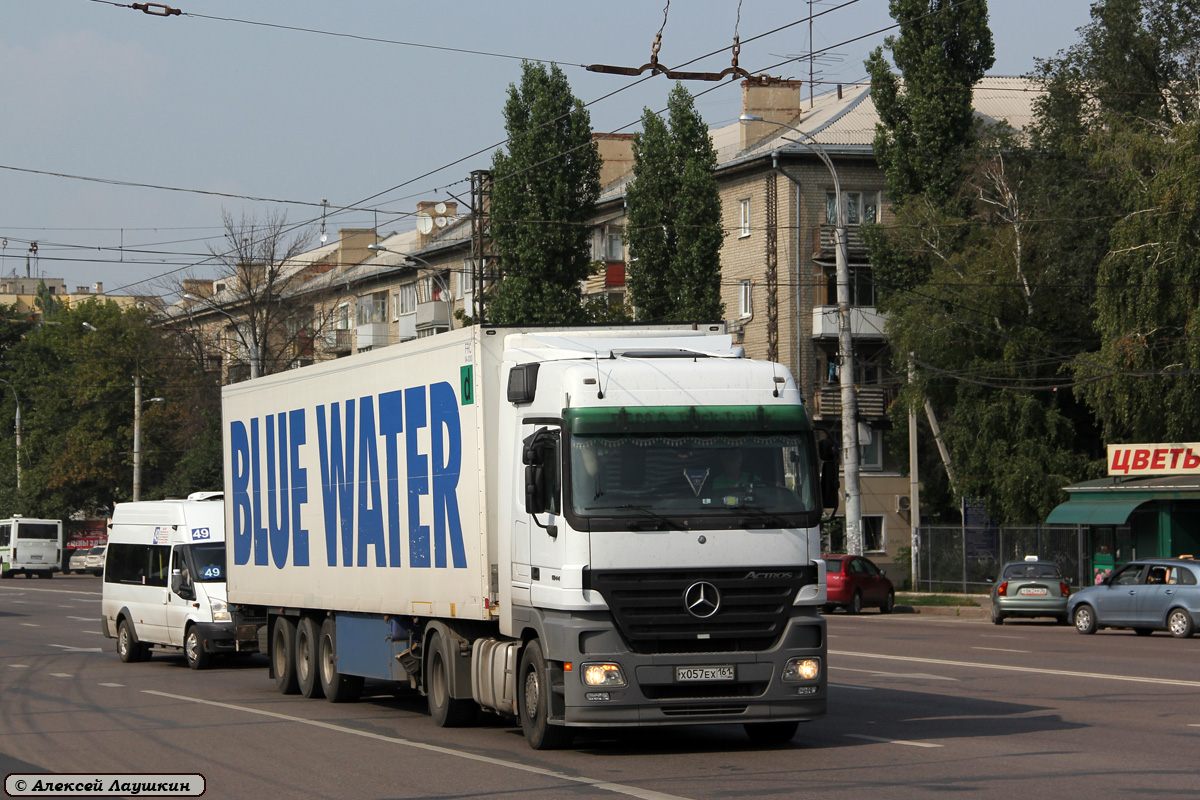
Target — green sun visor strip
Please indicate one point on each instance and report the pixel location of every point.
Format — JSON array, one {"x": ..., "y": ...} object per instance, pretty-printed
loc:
[{"x": 687, "y": 419}]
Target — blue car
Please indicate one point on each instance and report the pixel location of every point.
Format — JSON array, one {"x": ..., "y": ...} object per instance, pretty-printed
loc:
[{"x": 1147, "y": 595}]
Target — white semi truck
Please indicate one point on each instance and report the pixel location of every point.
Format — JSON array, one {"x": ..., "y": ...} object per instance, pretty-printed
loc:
[{"x": 575, "y": 528}]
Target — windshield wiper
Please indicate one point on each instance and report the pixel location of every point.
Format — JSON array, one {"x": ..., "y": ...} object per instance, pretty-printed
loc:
[
  {"x": 762, "y": 514},
  {"x": 666, "y": 521}
]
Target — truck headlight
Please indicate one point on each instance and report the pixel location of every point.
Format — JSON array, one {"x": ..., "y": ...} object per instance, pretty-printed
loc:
[
  {"x": 602, "y": 675},
  {"x": 220, "y": 611},
  {"x": 805, "y": 668}
]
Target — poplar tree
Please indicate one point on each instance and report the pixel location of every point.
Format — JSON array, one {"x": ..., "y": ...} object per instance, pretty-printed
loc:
[
  {"x": 544, "y": 193},
  {"x": 674, "y": 218}
]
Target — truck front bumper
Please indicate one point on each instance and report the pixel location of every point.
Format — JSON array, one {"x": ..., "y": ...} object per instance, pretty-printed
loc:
[{"x": 658, "y": 692}]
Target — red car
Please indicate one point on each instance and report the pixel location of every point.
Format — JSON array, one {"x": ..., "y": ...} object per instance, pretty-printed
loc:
[{"x": 853, "y": 582}]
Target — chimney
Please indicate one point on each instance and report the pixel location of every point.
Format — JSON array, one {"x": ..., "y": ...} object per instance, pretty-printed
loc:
[
  {"x": 432, "y": 217},
  {"x": 772, "y": 99},
  {"x": 352, "y": 246},
  {"x": 616, "y": 154},
  {"x": 98, "y": 287}
]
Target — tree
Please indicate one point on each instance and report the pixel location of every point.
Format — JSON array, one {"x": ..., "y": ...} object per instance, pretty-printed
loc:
[
  {"x": 674, "y": 217},
  {"x": 943, "y": 49},
  {"x": 261, "y": 273},
  {"x": 77, "y": 403},
  {"x": 544, "y": 192}
]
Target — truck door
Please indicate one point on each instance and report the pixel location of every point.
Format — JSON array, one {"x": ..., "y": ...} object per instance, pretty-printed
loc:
[{"x": 542, "y": 456}]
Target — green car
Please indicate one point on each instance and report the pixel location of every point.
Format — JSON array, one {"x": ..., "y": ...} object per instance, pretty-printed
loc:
[{"x": 1030, "y": 588}]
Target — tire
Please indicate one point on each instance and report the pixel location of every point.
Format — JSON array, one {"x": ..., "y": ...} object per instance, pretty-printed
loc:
[
  {"x": 533, "y": 701},
  {"x": 1179, "y": 623},
  {"x": 855, "y": 606},
  {"x": 128, "y": 647},
  {"x": 1063, "y": 619},
  {"x": 447, "y": 711},
  {"x": 1085, "y": 619},
  {"x": 771, "y": 732},
  {"x": 283, "y": 655},
  {"x": 307, "y": 673},
  {"x": 997, "y": 618},
  {"x": 889, "y": 603},
  {"x": 193, "y": 649},
  {"x": 338, "y": 688}
]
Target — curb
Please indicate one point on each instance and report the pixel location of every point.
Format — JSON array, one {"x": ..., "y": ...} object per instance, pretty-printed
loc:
[{"x": 968, "y": 612}]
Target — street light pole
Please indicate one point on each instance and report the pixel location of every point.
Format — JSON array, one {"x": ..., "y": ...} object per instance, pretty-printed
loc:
[
  {"x": 251, "y": 346},
  {"x": 17, "y": 429},
  {"x": 850, "y": 456},
  {"x": 449, "y": 299},
  {"x": 137, "y": 434}
]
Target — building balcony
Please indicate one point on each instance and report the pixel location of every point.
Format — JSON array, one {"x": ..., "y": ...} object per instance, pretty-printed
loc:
[
  {"x": 865, "y": 322},
  {"x": 406, "y": 327},
  {"x": 433, "y": 314},
  {"x": 339, "y": 341},
  {"x": 873, "y": 402},
  {"x": 823, "y": 241},
  {"x": 373, "y": 334}
]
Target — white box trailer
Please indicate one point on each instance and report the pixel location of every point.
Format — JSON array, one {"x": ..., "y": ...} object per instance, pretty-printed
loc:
[{"x": 537, "y": 523}]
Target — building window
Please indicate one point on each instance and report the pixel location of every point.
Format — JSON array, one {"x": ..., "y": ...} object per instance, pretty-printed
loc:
[
  {"x": 372, "y": 308},
  {"x": 406, "y": 299},
  {"x": 872, "y": 535},
  {"x": 614, "y": 244},
  {"x": 862, "y": 286},
  {"x": 860, "y": 207},
  {"x": 870, "y": 448},
  {"x": 745, "y": 308},
  {"x": 342, "y": 317},
  {"x": 744, "y": 224}
]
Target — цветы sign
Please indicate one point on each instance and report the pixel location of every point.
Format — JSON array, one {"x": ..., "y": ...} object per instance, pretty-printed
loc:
[{"x": 1154, "y": 459}]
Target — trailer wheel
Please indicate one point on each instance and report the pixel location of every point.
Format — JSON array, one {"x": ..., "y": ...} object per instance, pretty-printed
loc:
[
  {"x": 193, "y": 648},
  {"x": 447, "y": 711},
  {"x": 338, "y": 688},
  {"x": 307, "y": 634},
  {"x": 533, "y": 702},
  {"x": 283, "y": 655}
]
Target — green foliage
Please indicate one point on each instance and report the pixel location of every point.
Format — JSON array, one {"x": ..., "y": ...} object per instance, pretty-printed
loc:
[
  {"x": 544, "y": 192},
  {"x": 673, "y": 210},
  {"x": 926, "y": 124},
  {"x": 76, "y": 391}
]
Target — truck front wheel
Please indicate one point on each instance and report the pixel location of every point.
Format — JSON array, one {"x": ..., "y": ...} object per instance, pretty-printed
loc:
[
  {"x": 338, "y": 688},
  {"x": 533, "y": 702},
  {"x": 447, "y": 711},
  {"x": 283, "y": 655}
]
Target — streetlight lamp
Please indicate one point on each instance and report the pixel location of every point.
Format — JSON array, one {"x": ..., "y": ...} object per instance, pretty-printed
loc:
[
  {"x": 251, "y": 346},
  {"x": 137, "y": 433},
  {"x": 17, "y": 428},
  {"x": 435, "y": 275},
  {"x": 850, "y": 457}
]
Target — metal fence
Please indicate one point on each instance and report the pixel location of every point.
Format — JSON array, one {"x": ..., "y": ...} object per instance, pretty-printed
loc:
[{"x": 963, "y": 559}]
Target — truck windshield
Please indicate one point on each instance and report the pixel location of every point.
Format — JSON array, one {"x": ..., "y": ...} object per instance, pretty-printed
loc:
[
  {"x": 761, "y": 479},
  {"x": 209, "y": 561}
]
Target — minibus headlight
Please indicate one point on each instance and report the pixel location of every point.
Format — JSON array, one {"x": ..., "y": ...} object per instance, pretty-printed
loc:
[{"x": 220, "y": 611}]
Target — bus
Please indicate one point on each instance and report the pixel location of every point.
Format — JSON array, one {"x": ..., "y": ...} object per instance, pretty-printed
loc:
[{"x": 30, "y": 547}]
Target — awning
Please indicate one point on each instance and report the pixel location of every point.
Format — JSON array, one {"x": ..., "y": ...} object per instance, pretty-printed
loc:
[{"x": 1095, "y": 510}]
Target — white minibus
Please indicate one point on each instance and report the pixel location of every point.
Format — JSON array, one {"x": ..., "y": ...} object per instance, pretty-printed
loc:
[{"x": 30, "y": 547}]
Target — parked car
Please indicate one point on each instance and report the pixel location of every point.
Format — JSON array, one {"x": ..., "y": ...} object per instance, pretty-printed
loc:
[
  {"x": 1146, "y": 595},
  {"x": 78, "y": 561},
  {"x": 95, "y": 560},
  {"x": 853, "y": 582},
  {"x": 1030, "y": 588}
]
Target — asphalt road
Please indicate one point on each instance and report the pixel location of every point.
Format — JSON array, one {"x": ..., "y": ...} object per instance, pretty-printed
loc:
[{"x": 919, "y": 706}]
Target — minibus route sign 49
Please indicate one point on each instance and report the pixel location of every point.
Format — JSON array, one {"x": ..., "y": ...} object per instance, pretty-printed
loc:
[{"x": 371, "y": 462}]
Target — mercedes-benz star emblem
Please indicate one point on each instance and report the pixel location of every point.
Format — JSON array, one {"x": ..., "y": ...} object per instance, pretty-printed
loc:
[{"x": 702, "y": 599}]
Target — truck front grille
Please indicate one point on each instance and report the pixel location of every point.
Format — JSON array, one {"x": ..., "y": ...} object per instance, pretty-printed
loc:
[{"x": 650, "y": 607}]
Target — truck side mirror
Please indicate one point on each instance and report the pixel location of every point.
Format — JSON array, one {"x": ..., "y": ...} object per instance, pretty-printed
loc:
[{"x": 539, "y": 453}]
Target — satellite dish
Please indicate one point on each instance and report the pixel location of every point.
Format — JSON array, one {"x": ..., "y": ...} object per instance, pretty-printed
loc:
[
  {"x": 440, "y": 208},
  {"x": 440, "y": 221},
  {"x": 424, "y": 223}
]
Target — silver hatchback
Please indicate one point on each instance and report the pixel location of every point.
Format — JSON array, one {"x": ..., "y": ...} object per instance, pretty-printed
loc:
[{"x": 1147, "y": 595}]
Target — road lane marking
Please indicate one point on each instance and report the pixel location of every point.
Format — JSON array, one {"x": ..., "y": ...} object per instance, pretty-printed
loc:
[
  {"x": 19, "y": 666},
  {"x": 30, "y": 625},
  {"x": 890, "y": 741},
  {"x": 595, "y": 783},
  {"x": 73, "y": 649},
  {"x": 851, "y": 686},
  {"x": 1034, "y": 670},
  {"x": 1000, "y": 649},
  {"x": 83, "y": 619},
  {"x": 114, "y": 685},
  {"x": 923, "y": 675},
  {"x": 61, "y": 675}
]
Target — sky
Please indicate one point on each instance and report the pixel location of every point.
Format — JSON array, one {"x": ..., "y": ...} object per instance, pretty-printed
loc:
[{"x": 127, "y": 136}]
